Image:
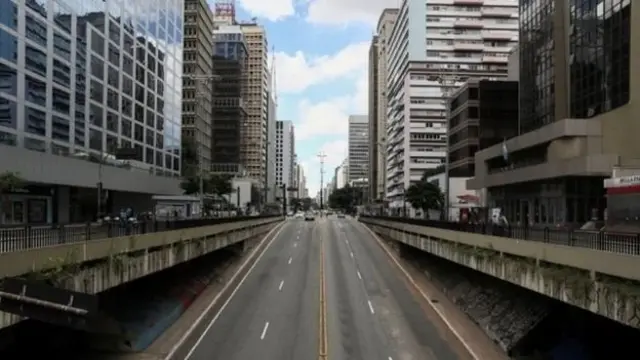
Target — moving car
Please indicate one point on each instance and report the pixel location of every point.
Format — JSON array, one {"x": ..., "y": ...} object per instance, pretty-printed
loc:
[
  {"x": 299, "y": 215},
  {"x": 309, "y": 217},
  {"x": 341, "y": 216}
]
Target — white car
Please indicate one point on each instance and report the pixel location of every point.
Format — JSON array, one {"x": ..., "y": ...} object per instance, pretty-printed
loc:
[
  {"x": 299, "y": 215},
  {"x": 309, "y": 216}
]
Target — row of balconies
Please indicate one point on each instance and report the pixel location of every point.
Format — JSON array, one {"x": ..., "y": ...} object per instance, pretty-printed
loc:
[
  {"x": 469, "y": 46},
  {"x": 483, "y": 59},
  {"x": 504, "y": 35},
  {"x": 497, "y": 12}
]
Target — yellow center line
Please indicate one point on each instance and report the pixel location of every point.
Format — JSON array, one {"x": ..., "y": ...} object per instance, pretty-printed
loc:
[{"x": 322, "y": 342}]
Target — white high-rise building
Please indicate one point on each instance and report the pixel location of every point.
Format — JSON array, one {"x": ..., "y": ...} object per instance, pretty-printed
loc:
[
  {"x": 378, "y": 59},
  {"x": 256, "y": 132},
  {"x": 358, "y": 158},
  {"x": 285, "y": 153},
  {"x": 464, "y": 39}
]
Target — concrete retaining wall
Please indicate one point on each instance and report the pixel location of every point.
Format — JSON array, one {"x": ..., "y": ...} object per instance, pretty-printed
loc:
[
  {"x": 598, "y": 293},
  {"x": 154, "y": 304},
  {"x": 125, "y": 265}
]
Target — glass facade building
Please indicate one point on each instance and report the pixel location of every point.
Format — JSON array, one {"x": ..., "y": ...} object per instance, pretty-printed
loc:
[
  {"x": 537, "y": 64},
  {"x": 91, "y": 77},
  {"x": 599, "y": 56}
]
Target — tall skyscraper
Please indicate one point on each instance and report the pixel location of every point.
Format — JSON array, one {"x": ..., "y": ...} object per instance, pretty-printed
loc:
[
  {"x": 272, "y": 112},
  {"x": 463, "y": 40},
  {"x": 229, "y": 105},
  {"x": 88, "y": 85},
  {"x": 577, "y": 116},
  {"x": 285, "y": 152},
  {"x": 378, "y": 59},
  {"x": 197, "y": 84},
  {"x": 256, "y": 135},
  {"x": 358, "y": 148}
]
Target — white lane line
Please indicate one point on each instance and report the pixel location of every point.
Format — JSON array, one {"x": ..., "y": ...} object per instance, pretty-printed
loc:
[
  {"x": 390, "y": 358},
  {"x": 351, "y": 254},
  {"x": 264, "y": 331},
  {"x": 298, "y": 237},
  {"x": 359, "y": 275},
  {"x": 289, "y": 262},
  {"x": 200, "y": 318},
  {"x": 281, "y": 285},
  {"x": 427, "y": 298},
  {"x": 347, "y": 241},
  {"x": 295, "y": 244},
  {"x": 370, "y": 306}
]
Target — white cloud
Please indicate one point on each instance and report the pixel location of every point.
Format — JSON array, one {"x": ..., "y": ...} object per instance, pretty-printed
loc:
[
  {"x": 330, "y": 116},
  {"x": 343, "y": 12},
  {"x": 335, "y": 152},
  {"x": 272, "y": 10},
  {"x": 298, "y": 72}
]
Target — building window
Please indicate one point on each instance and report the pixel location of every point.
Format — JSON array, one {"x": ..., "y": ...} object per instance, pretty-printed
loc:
[{"x": 599, "y": 62}]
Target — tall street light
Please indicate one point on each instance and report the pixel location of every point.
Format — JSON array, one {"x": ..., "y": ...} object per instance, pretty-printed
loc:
[
  {"x": 448, "y": 85},
  {"x": 321, "y": 156},
  {"x": 202, "y": 83}
]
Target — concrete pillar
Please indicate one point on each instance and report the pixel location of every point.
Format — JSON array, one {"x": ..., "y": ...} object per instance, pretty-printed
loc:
[
  {"x": 145, "y": 264},
  {"x": 64, "y": 206}
]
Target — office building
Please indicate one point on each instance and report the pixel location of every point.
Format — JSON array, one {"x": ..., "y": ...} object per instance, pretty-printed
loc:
[
  {"x": 358, "y": 148},
  {"x": 256, "y": 131},
  {"x": 229, "y": 112},
  {"x": 378, "y": 56},
  {"x": 464, "y": 39},
  {"x": 76, "y": 86},
  {"x": 285, "y": 152},
  {"x": 577, "y": 114},
  {"x": 341, "y": 174},
  {"x": 482, "y": 113},
  {"x": 272, "y": 112},
  {"x": 301, "y": 183},
  {"x": 197, "y": 83}
]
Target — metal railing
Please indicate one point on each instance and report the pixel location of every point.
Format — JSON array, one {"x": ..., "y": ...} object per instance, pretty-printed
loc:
[
  {"x": 616, "y": 242},
  {"x": 20, "y": 238}
]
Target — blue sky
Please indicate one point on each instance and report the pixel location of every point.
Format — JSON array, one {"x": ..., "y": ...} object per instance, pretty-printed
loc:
[{"x": 321, "y": 56}]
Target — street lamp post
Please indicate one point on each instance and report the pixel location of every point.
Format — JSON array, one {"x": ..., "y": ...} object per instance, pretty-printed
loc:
[
  {"x": 447, "y": 82},
  {"x": 201, "y": 81},
  {"x": 321, "y": 156}
]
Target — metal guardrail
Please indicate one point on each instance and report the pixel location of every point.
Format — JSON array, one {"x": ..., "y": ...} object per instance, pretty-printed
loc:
[
  {"x": 14, "y": 238},
  {"x": 616, "y": 242}
]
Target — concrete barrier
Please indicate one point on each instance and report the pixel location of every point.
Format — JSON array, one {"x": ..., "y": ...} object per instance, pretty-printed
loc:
[{"x": 152, "y": 317}]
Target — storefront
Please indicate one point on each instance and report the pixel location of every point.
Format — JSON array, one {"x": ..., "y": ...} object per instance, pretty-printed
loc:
[
  {"x": 32, "y": 204},
  {"x": 569, "y": 201}
]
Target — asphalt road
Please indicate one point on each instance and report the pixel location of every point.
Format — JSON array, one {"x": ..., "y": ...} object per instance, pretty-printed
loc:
[
  {"x": 371, "y": 311},
  {"x": 274, "y": 314}
]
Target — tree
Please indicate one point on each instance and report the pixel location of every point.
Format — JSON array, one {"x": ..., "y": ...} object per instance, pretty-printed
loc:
[
  {"x": 9, "y": 181},
  {"x": 255, "y": 195},
  {"x": 219, "y": 185},
  {"x": 425, "y": 195},
  {"x": 306, "y": 203},
  {"x": 190, "y": 159},
  {"x": 215, "y": 184},
  {"x": 190, "y": 185},
  {"x": 343, "y": 198}
]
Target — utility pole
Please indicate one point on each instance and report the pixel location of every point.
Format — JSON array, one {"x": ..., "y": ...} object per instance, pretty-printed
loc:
[
  {"x": 448, "y": 85},
  {"x": 201, "y": 81},
  {"x": 321, "y": 156}
]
